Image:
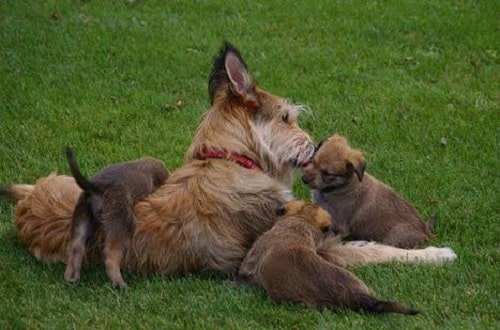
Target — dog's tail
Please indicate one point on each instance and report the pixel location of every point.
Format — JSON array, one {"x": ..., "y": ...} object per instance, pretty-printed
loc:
[
  {"x": 373, "y": 305},
  {"x": 431, "y": 223},
  {"x": 16, "y": 192},
  {"x": 80, "y": 179}
]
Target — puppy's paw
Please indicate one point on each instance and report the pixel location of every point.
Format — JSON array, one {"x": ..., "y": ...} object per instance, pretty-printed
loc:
[
  {"x": 71, "y": 275},
  {"x": 439, "y": 255},
  {"x": 118, "y": 282}
]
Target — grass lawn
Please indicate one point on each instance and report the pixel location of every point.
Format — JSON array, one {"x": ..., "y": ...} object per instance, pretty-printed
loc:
[{"x": 415, "y": 84}]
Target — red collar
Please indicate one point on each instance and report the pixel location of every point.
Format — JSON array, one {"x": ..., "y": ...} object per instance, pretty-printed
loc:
[{"x": 241, "y": 160}]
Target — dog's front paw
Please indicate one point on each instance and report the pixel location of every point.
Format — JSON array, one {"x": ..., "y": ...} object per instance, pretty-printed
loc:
[
  {"x": 71, "y": 275},
  {"x": 439, "y": 255}
]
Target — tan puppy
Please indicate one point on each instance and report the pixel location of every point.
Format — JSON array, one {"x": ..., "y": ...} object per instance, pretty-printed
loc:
[
  {"x": 362, "y": 207},
  {"x": 284, "y": 261},
  {"x": 107, "y": 200}
]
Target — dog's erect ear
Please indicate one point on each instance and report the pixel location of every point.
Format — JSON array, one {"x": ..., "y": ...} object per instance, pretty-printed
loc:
[
  {"x": 240, "y": 81},
  {"x": 237, "y": 73},
  {"x": 357, "y": 163},
  {"x": 230, "y": 71}
]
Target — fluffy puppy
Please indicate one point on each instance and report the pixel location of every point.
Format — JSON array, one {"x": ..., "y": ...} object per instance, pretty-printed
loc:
[
  {"x": 362, "y": 207},
  {"x": 284, "y": 261},
  {"x": 108, "y": 199}
]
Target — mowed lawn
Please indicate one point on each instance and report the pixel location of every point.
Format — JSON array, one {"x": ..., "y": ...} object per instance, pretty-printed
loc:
[{"x": 414, "y": 84}]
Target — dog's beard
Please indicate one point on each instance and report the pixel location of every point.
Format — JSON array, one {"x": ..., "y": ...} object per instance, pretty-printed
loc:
[{"x": 290, "y": 148}]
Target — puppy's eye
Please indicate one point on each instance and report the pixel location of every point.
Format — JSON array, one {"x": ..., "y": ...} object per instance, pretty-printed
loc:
[{"x": 284, "y": 117}]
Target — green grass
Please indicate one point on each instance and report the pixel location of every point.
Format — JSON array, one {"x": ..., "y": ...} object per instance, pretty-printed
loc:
[{"x": 399, "y": 78}]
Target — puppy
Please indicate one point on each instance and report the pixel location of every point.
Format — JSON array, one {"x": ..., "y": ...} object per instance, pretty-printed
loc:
[
  {"x": 284, "y": 261},
  {"x": 108, "y": 199},
  {"x": 362, "y": 207}
]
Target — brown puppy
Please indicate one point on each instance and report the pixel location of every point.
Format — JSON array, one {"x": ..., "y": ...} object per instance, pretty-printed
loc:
[
  {"x": 284, "y": 261},
  {"x": 108, "y": 199},
  {"x": 362, "y": 207}
]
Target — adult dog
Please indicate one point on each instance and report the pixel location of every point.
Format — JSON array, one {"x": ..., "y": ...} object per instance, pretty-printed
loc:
[{"x": 238, "y": 170}]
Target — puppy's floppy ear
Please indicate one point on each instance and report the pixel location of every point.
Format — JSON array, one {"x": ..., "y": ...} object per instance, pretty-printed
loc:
[
  {"x": 357, "y": 163},
  {"x": 240, "y": 81}
]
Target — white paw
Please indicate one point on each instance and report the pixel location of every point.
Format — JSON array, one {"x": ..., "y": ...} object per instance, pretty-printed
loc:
[{"x": 439, "y": 255}]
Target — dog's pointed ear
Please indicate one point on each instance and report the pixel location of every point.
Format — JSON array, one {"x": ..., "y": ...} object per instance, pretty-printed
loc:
[
  {"x": 357, "y": 162},
  {"x": 230, "y": 75},
  {"x": 237, "y": 73},
  {"x": 240, "y": 81}
]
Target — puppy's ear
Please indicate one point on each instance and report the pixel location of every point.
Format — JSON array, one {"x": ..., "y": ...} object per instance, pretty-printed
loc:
[
  {"x": 240, "y": 81},
  {"x": 281, "y": 210},
  {"x": 356, "y": 162}
]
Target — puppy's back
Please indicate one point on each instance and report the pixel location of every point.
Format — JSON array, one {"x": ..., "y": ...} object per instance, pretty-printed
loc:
[{"x": 138, "y": 177}]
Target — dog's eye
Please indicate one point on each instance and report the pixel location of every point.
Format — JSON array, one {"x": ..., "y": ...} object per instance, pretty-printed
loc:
[{"x": 284, "y": 117}]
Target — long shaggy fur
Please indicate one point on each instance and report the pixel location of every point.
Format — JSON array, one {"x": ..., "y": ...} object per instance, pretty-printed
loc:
[{"x": 209, "y": 212}]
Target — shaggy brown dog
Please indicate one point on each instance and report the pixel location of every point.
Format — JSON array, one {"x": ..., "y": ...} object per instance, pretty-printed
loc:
[
  {"x": 237, "y": 171},
  {"x": 362, "y": 207},
  {"x": 284, "y": 261},
  {"x": 108, "y": 199}
]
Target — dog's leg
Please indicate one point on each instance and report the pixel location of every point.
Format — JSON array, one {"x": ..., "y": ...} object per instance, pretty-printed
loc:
[
  {"x": 362, "y": 252},
  {"x": 113, "y": 254},
  {"x": 82, "y": 228},
  {"x": 119, "y": 222}
]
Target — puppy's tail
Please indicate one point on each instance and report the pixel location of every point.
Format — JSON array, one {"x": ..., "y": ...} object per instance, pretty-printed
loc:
[
  {"x": 80, "y": 179},
  {"x": 373, "y": 305},
  {"x": 16, "y": 192}
]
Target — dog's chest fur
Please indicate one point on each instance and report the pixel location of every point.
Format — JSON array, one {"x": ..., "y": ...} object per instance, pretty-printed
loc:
[{"x": 230, "y": 205}]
